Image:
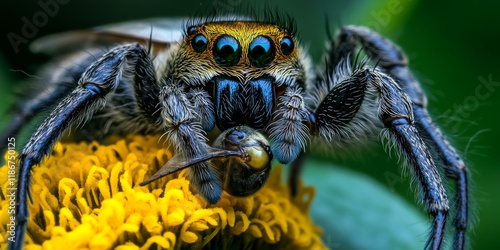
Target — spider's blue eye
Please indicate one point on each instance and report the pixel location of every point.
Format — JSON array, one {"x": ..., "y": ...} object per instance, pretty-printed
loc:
[
  {"x": 199, "y": 43},
  {"x": 261, "y": 51},
  {"x": 227, "y": 50},
  {"x": 286, "y": 45}
]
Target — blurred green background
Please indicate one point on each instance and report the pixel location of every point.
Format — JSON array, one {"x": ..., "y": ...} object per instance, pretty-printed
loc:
[{"x": 452, "y": 47}]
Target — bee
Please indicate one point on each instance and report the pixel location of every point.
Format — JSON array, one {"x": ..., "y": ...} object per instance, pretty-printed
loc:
[
  {"x": 250, "y": 82},
  {"x": 242, "y": 159}
]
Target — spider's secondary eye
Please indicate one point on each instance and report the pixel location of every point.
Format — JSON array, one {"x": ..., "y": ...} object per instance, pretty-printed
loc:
[
  {"x": 226, "y": 50},
  {"x": 286, "y": 45},
  {"x": 199, "y": 43},
  {"x": 191, "y": 30},
  {"x": 261, "y": 51}
]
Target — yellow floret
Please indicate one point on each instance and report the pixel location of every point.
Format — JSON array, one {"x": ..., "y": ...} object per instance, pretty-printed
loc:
[{"x": 87, "y": 196}]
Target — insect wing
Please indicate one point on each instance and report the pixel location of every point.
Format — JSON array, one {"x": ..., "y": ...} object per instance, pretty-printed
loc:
[
  {"x": 178, "y": 163},
  {"x": 162, "y": 32}
]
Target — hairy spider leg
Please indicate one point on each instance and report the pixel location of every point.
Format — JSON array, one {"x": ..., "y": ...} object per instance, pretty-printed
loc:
[
  {"x": 334, "y": 113},
  {"x": 61, "y": 81},
  {"x": 394, "y": 62},
  {"x": 395, "y": 112},
  {"x": 123, "y": 64}
]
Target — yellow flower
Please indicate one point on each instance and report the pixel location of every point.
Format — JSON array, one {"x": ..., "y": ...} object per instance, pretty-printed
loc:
[{"x": 87, "y": 196}]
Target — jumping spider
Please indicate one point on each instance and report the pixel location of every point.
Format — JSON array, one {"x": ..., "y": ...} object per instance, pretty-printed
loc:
[{"x": 248, "y": 78}]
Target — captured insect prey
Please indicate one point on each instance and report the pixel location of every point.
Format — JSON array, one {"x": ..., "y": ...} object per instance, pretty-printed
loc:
[
  {"x": 242, "y": 161},
  {"x": 252, "y": 79}
]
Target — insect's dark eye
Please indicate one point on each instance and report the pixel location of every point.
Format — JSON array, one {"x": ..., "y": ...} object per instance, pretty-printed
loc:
[
  {"x": 199, "y": 43},
  {"x": 261, "y": 51},
  {"x": 227, "y": 50},
  {"x": 286, "y": 45}
]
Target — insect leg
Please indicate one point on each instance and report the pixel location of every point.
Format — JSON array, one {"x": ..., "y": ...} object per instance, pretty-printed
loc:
[
  {"x": 101, "y": 78},
  {"x": 394, "y": 62}
]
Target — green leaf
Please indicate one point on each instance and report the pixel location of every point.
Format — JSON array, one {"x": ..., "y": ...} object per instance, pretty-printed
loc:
[{"x": 356, "y": 212}]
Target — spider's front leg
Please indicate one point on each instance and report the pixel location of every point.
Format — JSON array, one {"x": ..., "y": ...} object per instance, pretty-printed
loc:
[
  {"x": 184, "y": 113},
  {"x": 370, "y": 93},
  {"x": 62, "y": 80},
  {"x": 129, "y": 63},
  {"x": 288, "y": 133},
  {"x": 393, "y": 61}
]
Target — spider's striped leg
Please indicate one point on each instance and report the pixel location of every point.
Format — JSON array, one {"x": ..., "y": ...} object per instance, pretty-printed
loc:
[
  {"x": 392, "y": 60},
  {"x": 183, "y": 129},
  {"x": 56, "y": 85},
  {"x": 288, "y": 133},
  {"x": 348, "y": 101},
  {"x": 100, "y": 79}
]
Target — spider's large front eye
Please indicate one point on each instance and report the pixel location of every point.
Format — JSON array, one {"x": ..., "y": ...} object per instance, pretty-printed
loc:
[
  {"x": 199, "y": 43},
  {"x": 286, "y": 45},
  {"x": 227, "y": 50},
  {"x": 261, "y": 51}
]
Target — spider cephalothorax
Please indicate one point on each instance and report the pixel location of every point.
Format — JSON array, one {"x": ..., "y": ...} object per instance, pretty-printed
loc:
[
  {"x": 243, "y": 67},
  {"x": 252, "y": 81}
]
